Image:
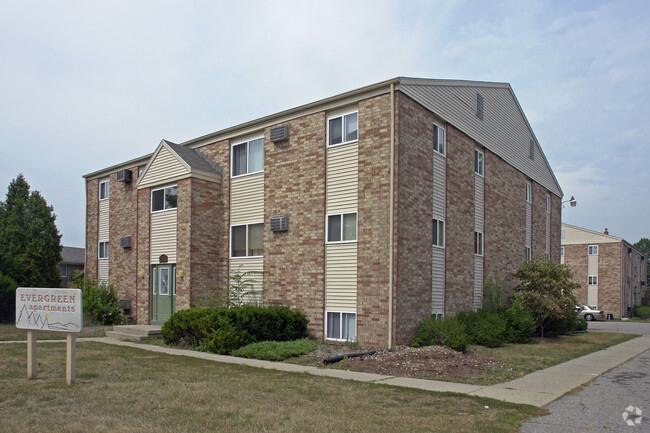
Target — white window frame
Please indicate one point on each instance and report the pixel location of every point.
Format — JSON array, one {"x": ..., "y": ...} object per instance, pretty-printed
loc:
[
  {"x": 479, "y": 162},
  {"x": 592, "y": 280},
  {"x": 439, "y": 242},
  {"x": 327, "y": 228},
  {"x": 548, "y": 203},
  {"x": 164, "y": 209},
  {"x": 107, "y": 189},
  {"x": 247, "y": 225},
  {"x": 529, "y": 192},
  {"x": 478, "y": 243},
  {"x": 592, "y": 250},
  {"x": 248, "y": 155},
  {"x": 561, "y": 251},
  {"x": 102, "y": 250},
  {"x": 341, "y": 313},
  {"x": 438, "y": 129},
  {"x": 344, "y": 131},
  {"x": 529, "y": 254}
]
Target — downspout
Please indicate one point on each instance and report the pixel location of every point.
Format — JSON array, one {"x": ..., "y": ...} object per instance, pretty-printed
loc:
[{"x": 391, "y": 224}]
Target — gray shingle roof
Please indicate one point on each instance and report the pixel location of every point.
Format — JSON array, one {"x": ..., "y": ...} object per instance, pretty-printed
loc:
[{"x": 73, "y": 255}]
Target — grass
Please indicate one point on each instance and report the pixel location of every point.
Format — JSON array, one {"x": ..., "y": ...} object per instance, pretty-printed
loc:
[
  {"x": 132, "y": 390},
  {"x": 276, "y": 350},
  {"x": 9, "y": 332}
]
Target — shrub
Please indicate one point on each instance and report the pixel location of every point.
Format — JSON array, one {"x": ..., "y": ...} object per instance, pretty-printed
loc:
[
  {"x": 495, "y": 297},
  {"x": 276, "y": 350},
  {"x": 7, "y": 298},
  {"x": 565, "y": 325},
  {"x": 521, "y": 324},
  {"x": 448, "y": 332},
  {"x": 641, "y": 311},
  {"x": 100, "y": 301},
  {"x": 189, "y": 327},
  {"x": 487, "y": 328},
  {"x": 225, "y": 337}
]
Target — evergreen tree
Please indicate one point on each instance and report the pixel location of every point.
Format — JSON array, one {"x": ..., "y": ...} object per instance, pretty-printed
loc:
[{"x": 30, "y": 243}]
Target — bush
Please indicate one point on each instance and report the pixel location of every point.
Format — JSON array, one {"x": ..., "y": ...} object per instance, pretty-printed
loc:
[
  {"x": 521, "y": 325},
  {"x": 276, "y": 350},
  {"x": 486, "y": 328},
  {"x": 566, "y": 325},
  {"x": 100, "y": 301},
  {"x": 641, "y": 311},
  {"x": 221, "y": 330},
  {"x": 448, "y": 332},
  {"x": 7, "y": 298}
]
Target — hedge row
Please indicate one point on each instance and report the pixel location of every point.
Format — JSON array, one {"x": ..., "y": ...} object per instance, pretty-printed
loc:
[{"x": 222, "y": 330}]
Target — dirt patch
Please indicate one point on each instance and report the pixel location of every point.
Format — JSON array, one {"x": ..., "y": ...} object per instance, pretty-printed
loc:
[{"x": 431, "y": 362}]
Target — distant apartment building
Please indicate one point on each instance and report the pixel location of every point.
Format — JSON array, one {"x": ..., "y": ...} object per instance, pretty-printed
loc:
[
  {"x": 610, "y": 271},
  {"x": 72, "y": 260},
  {"x": 367, "y": 211}
]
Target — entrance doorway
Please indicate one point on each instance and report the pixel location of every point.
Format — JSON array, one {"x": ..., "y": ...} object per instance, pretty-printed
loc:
[{"x": 163, "y": 292}]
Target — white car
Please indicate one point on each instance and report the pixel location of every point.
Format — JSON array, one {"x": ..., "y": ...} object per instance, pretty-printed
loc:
[{"x": 590, "y": 313}]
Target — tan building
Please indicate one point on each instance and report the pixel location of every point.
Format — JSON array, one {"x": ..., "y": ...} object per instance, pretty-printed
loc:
[
  {"x": 610, "y": 271},
  {"x": 367, "y": 211}
]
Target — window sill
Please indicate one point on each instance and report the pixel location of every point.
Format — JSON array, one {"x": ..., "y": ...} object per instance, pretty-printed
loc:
[
  {"x": 329, "y": 146},
  {"x": 245, "y": 174}
]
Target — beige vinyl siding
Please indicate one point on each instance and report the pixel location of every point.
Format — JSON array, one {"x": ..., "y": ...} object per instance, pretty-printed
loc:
[
  {"x": 439, "y": 185},
  {"x": 241, "y": 265},
  {"x": 342, "y": 178},
  {"x": 478, "y": 282},
  {"x": 104, "y": 209},
  {"x": 592, "y": 269},
  {"x": 102, "y": 269},
  {"x": 438, "y": 281},
  {"x": 247, "y": 199},
  {"x": 548, "y": 235},
  {"x": 341, "y": 277},
  {"x": 504, "y": 129},
  {"x": 438, "y": 254},
  {"x": 529, "y": 225},
  {"x": 165, "y": 167},
  {"x": 163, "y": 235},
  {"x": 577, "y": 235}
]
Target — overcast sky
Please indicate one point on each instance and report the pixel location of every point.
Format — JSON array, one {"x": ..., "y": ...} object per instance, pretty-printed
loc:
[{"x": 88, "y": 84}]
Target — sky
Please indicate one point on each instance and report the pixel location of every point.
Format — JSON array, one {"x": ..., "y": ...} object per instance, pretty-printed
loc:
[{"x": 88, "y": 84}]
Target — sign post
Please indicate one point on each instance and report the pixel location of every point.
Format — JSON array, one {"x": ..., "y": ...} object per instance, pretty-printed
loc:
[{"x": 58, "y": 310}]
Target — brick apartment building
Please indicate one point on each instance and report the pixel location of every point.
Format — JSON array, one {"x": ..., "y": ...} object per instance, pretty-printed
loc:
[
  {"x": 367, "y": 211},
  {"x": 611, "y": 272}
]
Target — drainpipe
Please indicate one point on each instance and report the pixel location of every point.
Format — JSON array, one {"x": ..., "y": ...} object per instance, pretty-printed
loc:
[{"x": 392, "y": 219}]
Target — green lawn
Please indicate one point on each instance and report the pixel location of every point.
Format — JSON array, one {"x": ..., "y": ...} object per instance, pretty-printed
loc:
[
  {"x": 9, "y": 332},
  {"x": 132, "y": 390}
]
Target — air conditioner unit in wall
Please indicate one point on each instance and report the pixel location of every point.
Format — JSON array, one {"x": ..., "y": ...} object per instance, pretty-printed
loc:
[
  {"x": 124, "y": 176},
  {"x": 279, "y": 223},
  {"x": 280, "y": 133},
  {"x": 125, "y": 242}
]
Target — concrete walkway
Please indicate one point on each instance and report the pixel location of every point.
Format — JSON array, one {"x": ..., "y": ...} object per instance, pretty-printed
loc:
[{"x": 538, "y": 388}]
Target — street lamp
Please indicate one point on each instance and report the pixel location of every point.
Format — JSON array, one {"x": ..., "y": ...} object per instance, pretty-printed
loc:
[{"x": 572, "y": 201}]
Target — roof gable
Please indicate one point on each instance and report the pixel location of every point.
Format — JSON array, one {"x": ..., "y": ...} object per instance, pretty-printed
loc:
[
  {"x": 172, "y": 162},
  {"x": 574, "y": 235},
  {"x": 504, "y": 129}
]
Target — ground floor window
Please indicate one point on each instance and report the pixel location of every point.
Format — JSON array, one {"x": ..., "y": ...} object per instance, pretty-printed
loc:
[{"x": 341, "y": 326}]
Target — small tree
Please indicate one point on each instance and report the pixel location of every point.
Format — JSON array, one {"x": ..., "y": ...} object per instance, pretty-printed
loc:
[
  {"x": 546, "y": 290},
  {"x": 240, "y": 288}
]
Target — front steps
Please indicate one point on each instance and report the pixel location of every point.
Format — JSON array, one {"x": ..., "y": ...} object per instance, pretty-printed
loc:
[{"x": 133, "y": 332}]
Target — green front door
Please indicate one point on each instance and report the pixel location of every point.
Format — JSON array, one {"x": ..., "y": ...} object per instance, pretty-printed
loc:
[{"x": 163, "y": 292}]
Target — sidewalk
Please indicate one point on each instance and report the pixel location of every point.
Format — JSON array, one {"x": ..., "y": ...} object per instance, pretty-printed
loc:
[{"x": 538, "y": 388}]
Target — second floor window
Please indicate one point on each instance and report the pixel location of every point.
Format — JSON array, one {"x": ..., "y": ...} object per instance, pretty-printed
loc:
[
  {"x": 342, "y": 227},
  {"x": 248, "y": 157},
  {"x": 164, "y": 198},
  {"x": 343, "y": 129},
  {"x": 247, "y": 240},
  {"x": 478, "y": 162},
  {"x": 592, "y": 250},
  {"x": 104, "y": 190},
  {"x": 439, "y": 139},
  {"x": 438, "y": 233},
  {"x": 103, "y": 250}
]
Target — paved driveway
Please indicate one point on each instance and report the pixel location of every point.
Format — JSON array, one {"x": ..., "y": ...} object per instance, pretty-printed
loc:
[
  {"x": 599, "y": 407},
  {"x": 624, "y": 326}
]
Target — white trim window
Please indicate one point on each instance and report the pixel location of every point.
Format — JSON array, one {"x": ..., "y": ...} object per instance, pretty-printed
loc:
[
  {"x": 164, "y": 198},
  {"x": 478, "y": 243},
  {"x": 438, "y": 238},
  {"x": 592, "y": 280},
  {"x": 104, "y": 189},
  {"x": 548, "y": 203},
  {"x": 562, "y": 251},
  {"x": 528, "y": 254},
  {"x": 343, "y": 129},
  {"x": 341, "y": 325},
  {"x": 247, "y": 157},
  {"x": 102, "y": 250},
  {"x": 479, "y": 162},
  {"x": 529, "y": 192},
  {"x": 341, "y": 227},
  {"x": 247, "y": 240},
  {"x": 592, "y": 250},
  {"x": 439, "y": 139}
]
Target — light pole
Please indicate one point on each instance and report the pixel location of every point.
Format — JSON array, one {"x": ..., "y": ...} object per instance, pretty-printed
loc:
[{"x": 572, "y": 201}]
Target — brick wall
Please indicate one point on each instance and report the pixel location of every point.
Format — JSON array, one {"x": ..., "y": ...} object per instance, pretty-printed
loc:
[
  {"x": 184, "y": 229},
  {"x": 294, "y": 184},
  {"x": 575, "y": 257},
  {"x": 610, "y": 277},
  {"x": 143, "y": 274},
  {"x": 556, "y": 227},
  {"x": 123, "y": 222},
  {"x": 459, "y": 221},
  {"x": 92, "y": 227},
  {"x": 414, "y": 216},
  {"x": 505, "y": 220}
]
